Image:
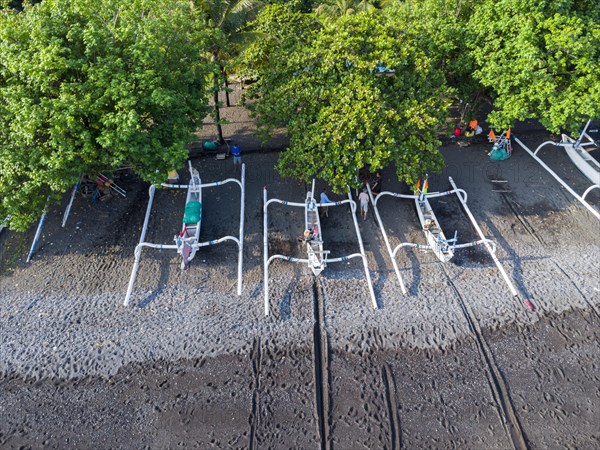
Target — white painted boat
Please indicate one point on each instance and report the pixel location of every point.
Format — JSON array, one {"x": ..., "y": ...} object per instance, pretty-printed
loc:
[
  {"x": 432, "y": 230},
  {"x": 3, "y": 223},
  {"x": 192, "y": 219},
  {"x": 586, "y": 163},
  {"x": 317, "y": 258}
]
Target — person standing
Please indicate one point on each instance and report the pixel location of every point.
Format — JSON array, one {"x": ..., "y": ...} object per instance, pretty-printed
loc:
[
  {"x": 237, "y": 156},
  {"x": 325, "y": 199},
  {"x": 376, "y": 187},
  {"x": 364, "y": 203}
]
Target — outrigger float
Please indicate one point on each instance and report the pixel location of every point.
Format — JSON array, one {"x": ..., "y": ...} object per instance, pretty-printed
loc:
[
  {"x": 437, "y": 242},
  {"x": 576, "y": 150},
  {"x": 187, "y": 242},
  {"x": 316, "y": 258}
]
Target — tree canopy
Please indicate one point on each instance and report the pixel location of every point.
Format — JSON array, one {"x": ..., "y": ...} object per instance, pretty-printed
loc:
[
  {"x": 89, "y": 85},
  {"x": 333, "y": 9},
  {"x": 342, "y": 113},
  {"x": 541, "y": 59},
  {"x": 440, "y": 27}
]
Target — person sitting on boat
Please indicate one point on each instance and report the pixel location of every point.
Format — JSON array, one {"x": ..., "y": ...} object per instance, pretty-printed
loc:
[
  {"x": 314, "y": 233},
  {"x": 306, "y": 236},
  {"x": 429, "y": 223}
]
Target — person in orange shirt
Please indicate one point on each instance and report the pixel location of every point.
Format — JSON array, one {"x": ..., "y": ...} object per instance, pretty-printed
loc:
[{"x": 470, "y": 131}]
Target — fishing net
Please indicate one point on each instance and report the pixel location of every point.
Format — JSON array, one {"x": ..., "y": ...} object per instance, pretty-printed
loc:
[
  {"x": 501, "y": 150},
  {"x": 193, "y": 213},
  {"x": 498, "y": 153}
]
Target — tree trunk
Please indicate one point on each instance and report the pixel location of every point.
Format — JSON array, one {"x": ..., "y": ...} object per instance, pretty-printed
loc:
[
  {"x": 457, "y": 10},
  {"x": 227, "y": 102},
  {"x": 220, "y": 139}
]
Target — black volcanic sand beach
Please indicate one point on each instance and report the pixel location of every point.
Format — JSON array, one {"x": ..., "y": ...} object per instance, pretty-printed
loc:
[
  {"x": 376, "y": 399},
  {"x": 457, "y": 362}
]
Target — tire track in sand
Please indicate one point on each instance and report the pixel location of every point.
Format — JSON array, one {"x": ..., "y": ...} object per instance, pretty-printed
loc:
[
  {"x": 389, "y": 382},
  {"x": 255, "y": 355},
  {"x": 496, "y": 381},
  {"x": 524, "y": 222},
  {"x": 593, "y": 307},
  {"x": 321, "y": 367},
  {"x": 514, "y": 207}
]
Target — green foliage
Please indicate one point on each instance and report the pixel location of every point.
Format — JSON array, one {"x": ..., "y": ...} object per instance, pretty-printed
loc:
[
  {"x": 299, "y": 5},
  {"x": 440, "y": 27},
  {"x": 226, "y": 19},
  {"x": 331, "y": 10},
  {"x": 542, "y": 59},
  {"x": 341, "y": 117},
  {"x": 89, "y": 85},
  {"x": 281, "y": 28}
]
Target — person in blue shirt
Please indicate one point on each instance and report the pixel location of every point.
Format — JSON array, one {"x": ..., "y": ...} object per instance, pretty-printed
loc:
[
  {"x": 237, "y": 156},
  {"x": 325, "y": 199}
]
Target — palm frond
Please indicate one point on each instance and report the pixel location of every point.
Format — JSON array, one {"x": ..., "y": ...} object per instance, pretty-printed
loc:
[{"x": 245, "y": 5}]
